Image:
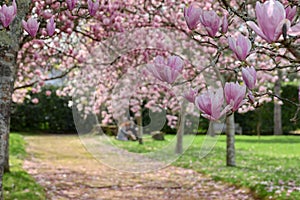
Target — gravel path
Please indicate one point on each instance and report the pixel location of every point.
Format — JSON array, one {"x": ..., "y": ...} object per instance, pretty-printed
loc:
[{"x": 66, "y": 170}]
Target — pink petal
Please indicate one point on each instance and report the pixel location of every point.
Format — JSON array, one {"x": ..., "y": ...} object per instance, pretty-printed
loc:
[
  {"x": 294, "y": 30},
  {"x": 257, "y": 30}
]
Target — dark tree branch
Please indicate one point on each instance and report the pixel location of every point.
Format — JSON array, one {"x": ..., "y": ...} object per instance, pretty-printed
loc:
[{"x": 47, "y": 79}]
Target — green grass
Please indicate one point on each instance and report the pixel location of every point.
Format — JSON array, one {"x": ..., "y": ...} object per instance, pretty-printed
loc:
[
  {"x": 269, "y": 166},
  {"x": 149, "y": 145},
  {"x": 18, "y": 184}
]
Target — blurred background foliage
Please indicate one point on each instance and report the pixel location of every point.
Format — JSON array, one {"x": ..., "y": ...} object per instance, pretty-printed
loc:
[{"x": 53, "y": 115}]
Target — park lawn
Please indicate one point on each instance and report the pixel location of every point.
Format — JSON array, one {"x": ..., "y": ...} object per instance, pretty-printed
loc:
[
  {"x": 149, "y": 145},
  {"x": 18, "y": 184},
  {"x": 269, "y": 165}
]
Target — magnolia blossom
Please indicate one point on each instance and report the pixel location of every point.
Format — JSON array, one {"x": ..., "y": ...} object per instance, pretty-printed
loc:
[
  {"x": 192, "y": 16},
  {"x": 271, "y": 16},
  {"x": 224, "y": 24},
  {"x": 51, "y": 26},
  {"x": 241, "y": 47},
  {"x": 48, "y": 93},
  {"x": 8, "y": 13},
  {"x": 166, "y": 70},
  {"x": 249, "y": 77},
  {"x": 35, "y": 100},
  {"x": 71, "y": 4},
  {"x": 211, "y": 22},
  {"x": 31, "y": 26},
  {"x": 294, "y": 30},
  {"x": 93, "y": 7},
  {"x": 251, "y": 97},
  {"x": 46, "y": 14},
  {"x": 290, "y": 12},
  {"x": 210, "y": 103},
  {"x": 234, "y": 95},
  {"x": 190, "y": 95}
]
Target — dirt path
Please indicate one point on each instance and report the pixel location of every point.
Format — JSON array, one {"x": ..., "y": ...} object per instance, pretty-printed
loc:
[{"x": 67, "y": 171}]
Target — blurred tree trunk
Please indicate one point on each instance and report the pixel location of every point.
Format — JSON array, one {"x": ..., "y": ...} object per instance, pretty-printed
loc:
[
  {"x": 258, "y": 124},
  {"x": 179, "y": 136},
  {"x": 277, "y": 107},
  {"x": 211, "y": 130},
  {"x": 140, "y": 128},
  {"x": 180, "y": 132},
  {"x": 230, "y": 149}
]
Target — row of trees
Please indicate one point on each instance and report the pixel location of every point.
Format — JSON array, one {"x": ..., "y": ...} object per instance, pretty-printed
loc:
[
  {"x": 55, "y": 115},
  {"x": 95, "y": 43}
]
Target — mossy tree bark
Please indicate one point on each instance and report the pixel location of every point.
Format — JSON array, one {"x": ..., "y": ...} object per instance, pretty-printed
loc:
[{"x": 10, "y": 40}]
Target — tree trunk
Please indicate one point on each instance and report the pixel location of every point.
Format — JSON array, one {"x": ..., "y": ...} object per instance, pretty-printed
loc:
[
  {"x": 140, "y": 128},
  {"x": 211, "y": 130},
  {"x": 277, "y": 108},
  {"x": 6, "y": 156},
  {"x": 258, "y": 124},
  {"x": 7, "y": 73},
  {"x": 230, "y": 150},
  {"x": 9, "y": 46},
  {"x": 179, "y": 136},
  {"x": 180, "y": 132}
]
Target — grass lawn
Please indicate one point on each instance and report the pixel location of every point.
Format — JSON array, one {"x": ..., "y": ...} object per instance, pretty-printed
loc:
[
  {"x": 150, "y": 145},
  {"x": 269, "y": 166},
  {"x": 18, "y": 184}
]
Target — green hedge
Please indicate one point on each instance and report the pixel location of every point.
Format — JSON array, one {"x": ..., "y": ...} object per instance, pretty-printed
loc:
[
  {"x": 263, "y": 116},
  {"x": 51, "y": 114}
]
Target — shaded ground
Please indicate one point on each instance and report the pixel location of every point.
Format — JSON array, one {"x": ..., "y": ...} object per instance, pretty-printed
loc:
[{"x": 67, "y": 171}]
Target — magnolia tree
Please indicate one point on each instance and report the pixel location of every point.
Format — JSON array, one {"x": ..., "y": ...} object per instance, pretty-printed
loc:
[
  {"x": 245, "y": 48},
  {"x": 227, "y": 54},
  {"x": 43, "y": 41},
  {"x": 277, "y": 31}
]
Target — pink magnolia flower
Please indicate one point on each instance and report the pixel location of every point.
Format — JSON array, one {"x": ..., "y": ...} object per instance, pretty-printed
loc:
[
  {"x": 192, "y": 16},
  {"x": 290, "y": 12},
  {"x": 294, "y": 30},
  {"x": 34, "y": 90},
  {"x": 35, "y": 100},
  {"x": 48, "y": 93},
  {"x": 251, "y": 97},
  {"x": 190, "y": 95},
  {"x": 224, "y": 24},
  {"x": 241, "y": 47},
  {"x": 31, "y": 26},
  {"x": 46, "y": 14},
  {"x": 71, "y": 4},
  {"x": 93, "y": 7},
  {"x": 210, "y": 103},
  {"x": 106, "y": 21},
  {"x": 271, "y": 16},
  {"x": 234, "y": 95},
  {"x": 8, "y": 14},
  {"x": 211, "y": 22},
  {"x": 249, "y": 77},
  {"x": 168, "y": 70},
  {"x": 51, "y": 26}
]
